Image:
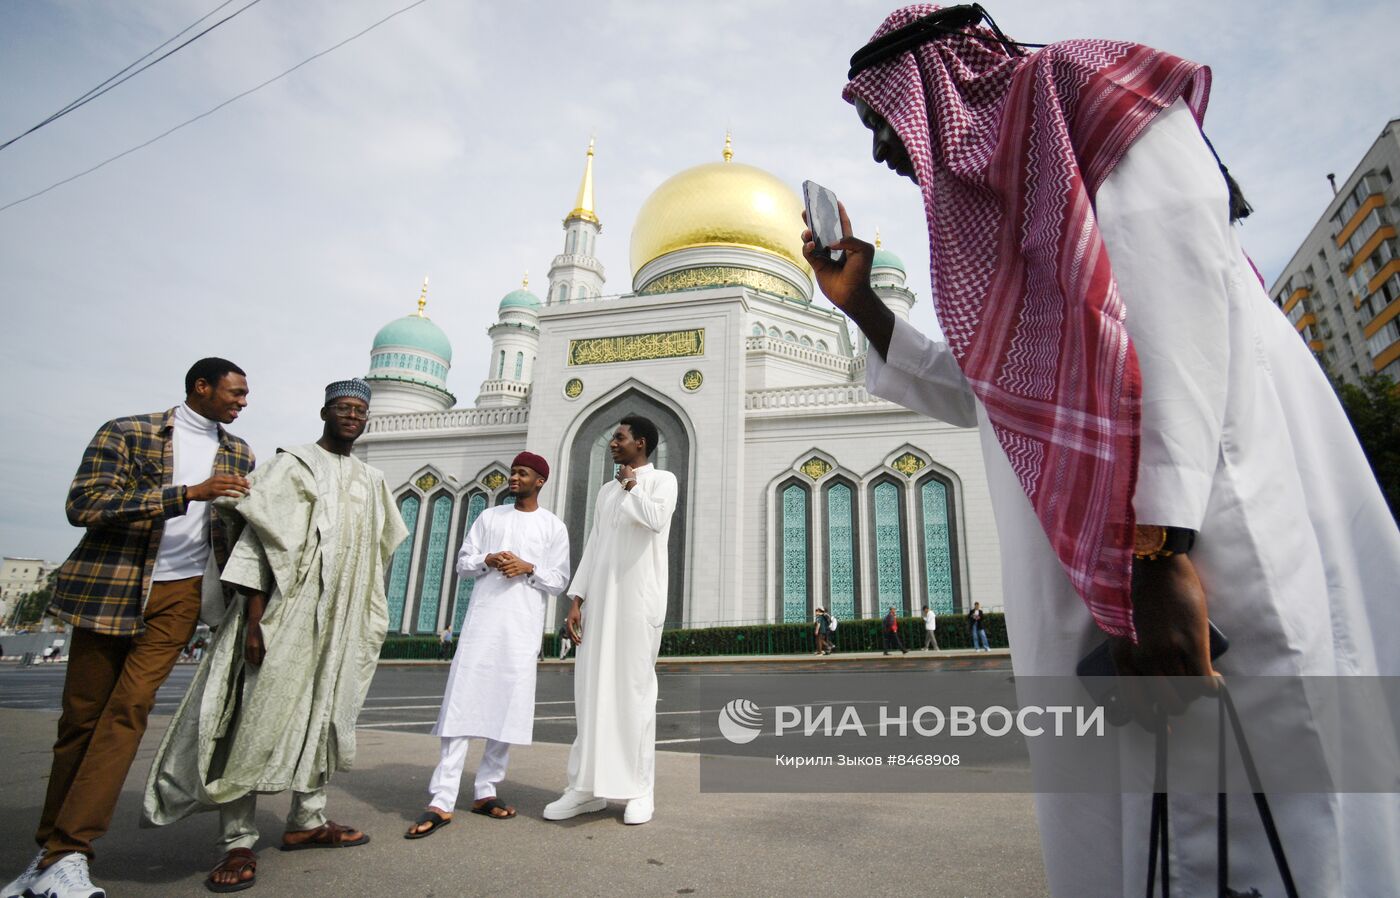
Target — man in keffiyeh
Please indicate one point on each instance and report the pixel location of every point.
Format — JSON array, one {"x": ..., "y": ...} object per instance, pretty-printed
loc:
[{"x": 1160, "y": 446}]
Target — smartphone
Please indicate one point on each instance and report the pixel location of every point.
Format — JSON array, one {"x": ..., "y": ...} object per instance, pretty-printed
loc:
[
  {"x": 823, "y": 218},
  {"x": 1097, "y": 666}
]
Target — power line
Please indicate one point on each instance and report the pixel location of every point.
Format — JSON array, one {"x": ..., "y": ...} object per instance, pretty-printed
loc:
[
  {"x": 210, "y": 112},
  {"x": 117, "y": 79}
]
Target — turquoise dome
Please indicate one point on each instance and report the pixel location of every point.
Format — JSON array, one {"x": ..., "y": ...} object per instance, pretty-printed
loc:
[
  {"x": 885, "y": 259},
  {"x": 414, "y": 332},
  {"x": 519, "y": 299}
]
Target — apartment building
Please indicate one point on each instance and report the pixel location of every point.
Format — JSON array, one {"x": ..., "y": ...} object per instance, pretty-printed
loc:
[{"x": 1341, "y": 290}]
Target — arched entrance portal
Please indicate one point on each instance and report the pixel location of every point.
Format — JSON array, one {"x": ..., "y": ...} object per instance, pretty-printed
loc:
[{"x": 589, "y": 454}]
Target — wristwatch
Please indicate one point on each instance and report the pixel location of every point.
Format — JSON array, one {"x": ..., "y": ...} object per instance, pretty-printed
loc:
[{"x": 1153, "y": 541}]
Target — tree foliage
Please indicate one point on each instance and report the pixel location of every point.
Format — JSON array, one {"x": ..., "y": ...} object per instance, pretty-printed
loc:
[{"x": 1374, "y": 410}]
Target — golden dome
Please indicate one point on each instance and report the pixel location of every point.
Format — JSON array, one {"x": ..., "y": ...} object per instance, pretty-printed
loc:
[{"x": 719, "y": 204}]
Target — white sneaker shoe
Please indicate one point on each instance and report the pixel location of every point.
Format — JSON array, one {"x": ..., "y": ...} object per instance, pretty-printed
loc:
[
  {"x": 639, "y": 810},
  {"x": 66, "y": 878},
  {"x": 26, "y": 879},
  {"x": 572, "y": 803}
]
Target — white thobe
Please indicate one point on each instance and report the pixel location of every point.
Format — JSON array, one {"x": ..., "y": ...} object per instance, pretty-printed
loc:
[
  {"x": 1243, "y": 441},
  {"x": 491, "y": 686},
  {"x": 622, "y": 579}
]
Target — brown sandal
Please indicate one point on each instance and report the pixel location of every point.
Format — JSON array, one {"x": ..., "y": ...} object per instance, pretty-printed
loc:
[
  {"x": 238, "y": 860},
  {"x": 327, "y": 835}
]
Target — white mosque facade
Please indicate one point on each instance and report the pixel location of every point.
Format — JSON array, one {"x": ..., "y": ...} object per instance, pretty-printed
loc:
[{"x": 797, "y": 488}]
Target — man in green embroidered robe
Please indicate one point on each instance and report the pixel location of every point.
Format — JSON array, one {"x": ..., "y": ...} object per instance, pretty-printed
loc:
[{"x": 273, "y": 705}]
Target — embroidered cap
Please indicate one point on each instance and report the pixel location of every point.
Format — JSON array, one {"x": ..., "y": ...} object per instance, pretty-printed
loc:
[{"x": 355, "y": 388}]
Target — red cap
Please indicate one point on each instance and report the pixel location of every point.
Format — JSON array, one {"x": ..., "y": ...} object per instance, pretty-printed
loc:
[{"x": 534, "y": 462}]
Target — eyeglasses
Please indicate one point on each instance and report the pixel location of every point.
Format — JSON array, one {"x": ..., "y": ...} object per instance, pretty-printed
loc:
[{"x": 345, "y": 410}]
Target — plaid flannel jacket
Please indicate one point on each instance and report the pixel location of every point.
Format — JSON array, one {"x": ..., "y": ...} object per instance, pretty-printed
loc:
[{"x": 122, "y": 494}]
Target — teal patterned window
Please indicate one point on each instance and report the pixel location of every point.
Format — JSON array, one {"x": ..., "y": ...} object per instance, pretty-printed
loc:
[
  {"x": 889, "y": 547},
  {"x": 501, "y": 366},
  {"x": 475, "y": 506},
  {"x": 519, "y": 365},
  {"x": 403, "y": 560},
  {"x": 840, "y": 551},
  {"x": 430, "y": 592},
  {"x": 938, "y": 549},
  {"x": 794, "y": 553}
]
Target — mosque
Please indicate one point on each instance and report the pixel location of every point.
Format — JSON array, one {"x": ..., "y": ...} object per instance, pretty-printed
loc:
[{"x": 798, "y": 489}]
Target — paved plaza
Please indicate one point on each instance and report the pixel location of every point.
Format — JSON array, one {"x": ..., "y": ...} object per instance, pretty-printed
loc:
[{"x": 698, "y": 844}]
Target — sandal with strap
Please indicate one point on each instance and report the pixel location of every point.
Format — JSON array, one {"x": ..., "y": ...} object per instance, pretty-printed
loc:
[
  {"x": 434, "y": 820},
  {"x": 327, "y": 835},
  {"x": 490, "y": 806},
  {"x": 238, "y": 861}
]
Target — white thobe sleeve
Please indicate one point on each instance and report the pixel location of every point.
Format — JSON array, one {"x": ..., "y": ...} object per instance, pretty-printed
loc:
[
  {"x": 551, "y": 573},
  {"x": 652, "y": 503},
  {"x": 923, "y": 376},
  {"x": 471, "y": 560},
  {"x": 1164, "y": 217}
]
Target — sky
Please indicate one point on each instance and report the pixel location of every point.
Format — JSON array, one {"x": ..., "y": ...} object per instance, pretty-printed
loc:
[{"x": 285, "y": 229}]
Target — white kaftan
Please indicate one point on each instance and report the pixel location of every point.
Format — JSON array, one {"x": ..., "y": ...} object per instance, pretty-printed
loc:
[
  {"x": 491, "y": 686},
  {"x": 622, "y": 579},
  {"x": 1243, "y": 441}
]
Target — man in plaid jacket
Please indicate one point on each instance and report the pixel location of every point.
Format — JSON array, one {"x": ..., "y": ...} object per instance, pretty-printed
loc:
[{"x": 131, "y": 591}]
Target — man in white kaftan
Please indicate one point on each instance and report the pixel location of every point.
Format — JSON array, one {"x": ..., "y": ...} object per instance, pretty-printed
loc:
[
  {"x": 519, "y": 556},
  {"x": 619, "y": 606},
  {"x": 274, "y": 703},
  {"x": 1244, "y": 442}
]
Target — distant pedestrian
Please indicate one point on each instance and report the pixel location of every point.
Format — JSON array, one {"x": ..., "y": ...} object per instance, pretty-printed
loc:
[
  {"x": 930, "y": 624},
  {"x": 445, "y": 644},
  {"x": 977, "y": 621},
  {"x": 890, "y": 629},
  {"x": 566, "y": 644},
  {"x": 824, "y": 643}
]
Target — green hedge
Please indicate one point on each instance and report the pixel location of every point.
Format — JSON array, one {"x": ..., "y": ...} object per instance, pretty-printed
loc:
[{"x": 757, "y": 639}]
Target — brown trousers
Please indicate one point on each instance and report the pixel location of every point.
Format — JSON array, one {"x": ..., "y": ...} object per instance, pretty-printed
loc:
[{"x": 108, "y": 693}]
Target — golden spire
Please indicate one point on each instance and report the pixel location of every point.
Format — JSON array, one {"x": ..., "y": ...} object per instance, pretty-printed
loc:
[
  {"x": 877, "y": 236},
  {"x": 728, "y": 146},
  {"x": 525, "y": 281},
  {"x": 423, "y": 298},
  {"x": 583, "y": 206}
]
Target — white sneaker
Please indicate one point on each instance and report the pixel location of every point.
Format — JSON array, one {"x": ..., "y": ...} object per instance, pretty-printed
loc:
[
  {"x": 572, "y": 803},
  {"x": 639, "y": 810},
  {"x": 26, "y": 879},
  {"x": 66, "y": 878}
]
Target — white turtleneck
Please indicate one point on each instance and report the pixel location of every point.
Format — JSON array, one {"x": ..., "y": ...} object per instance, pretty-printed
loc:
[{"x": 184, "y": 544}]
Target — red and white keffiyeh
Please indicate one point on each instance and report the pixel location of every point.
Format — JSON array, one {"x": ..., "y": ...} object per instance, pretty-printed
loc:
[{"x": 1009, "y": 152}]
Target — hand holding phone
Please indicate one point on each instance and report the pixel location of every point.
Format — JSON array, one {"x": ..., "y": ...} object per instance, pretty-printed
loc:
[{"x": 823, "y": 218}]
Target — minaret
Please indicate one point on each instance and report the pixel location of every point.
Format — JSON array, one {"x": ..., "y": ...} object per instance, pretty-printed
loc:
[
  {"x": 409, "y": 362},
  {"x": 515, "y": 339},
  {"x": 576, "y": 273}
]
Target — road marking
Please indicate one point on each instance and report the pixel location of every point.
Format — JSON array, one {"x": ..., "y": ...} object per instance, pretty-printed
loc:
[{"x": 410, "y": 723}]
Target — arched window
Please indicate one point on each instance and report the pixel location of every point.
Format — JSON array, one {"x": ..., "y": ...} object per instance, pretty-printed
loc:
[
  {"x": 842, "y": 568},
  {"x": 562, "y": 294},
  {"x": 475, "y": 505},
  {"x": 936, "y": 521},
  {"x": 402, "y": 561},
  {"x": 794, "y": 567},
  {"x": 580, "y": 292},
  {"x": 790, "y": 337},
  {"x": 821, "y": 344},
  {"x": 775, "y": 333},
  {"x": 519, "y": 365},
  {"x": 434, "y": 563},
  {"x": 572, "y": 242},
  {"x": 757, "y": 329},
  {"x": 887, "y": 501},
  {"x": 501, "y": 366},
  {"x": 806, "y": 340}
]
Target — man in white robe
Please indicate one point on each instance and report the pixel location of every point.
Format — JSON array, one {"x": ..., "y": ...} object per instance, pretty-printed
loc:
[
  {"x": 519, "y": 555},
  {"x": 1243, "y": 442},
  {"x": 273, "y": 705},
  {"x": 619, "y": 606}
]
